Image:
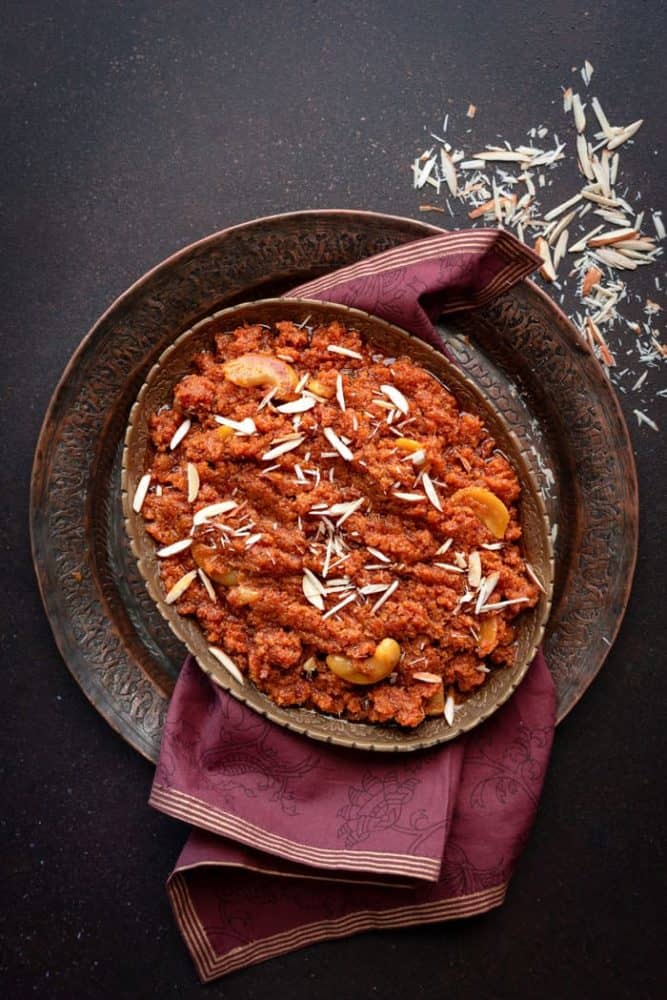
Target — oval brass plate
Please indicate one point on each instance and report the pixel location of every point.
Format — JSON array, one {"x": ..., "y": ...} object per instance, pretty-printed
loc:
[{"x": 176, "y": 362}]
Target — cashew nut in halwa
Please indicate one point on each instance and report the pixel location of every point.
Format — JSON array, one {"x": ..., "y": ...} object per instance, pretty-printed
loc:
[
  {"x": 486, "y": 506},
  {"x": 264, "y": 370},
  {"x": 321, "y": 389},
  {"x": 488, "y": 635},
  {"x": 375, "y": 668},
  {"x": 243, "y": 594},
  {"x": 211, "y": 561},
  {"x": 436, "y": 703}
]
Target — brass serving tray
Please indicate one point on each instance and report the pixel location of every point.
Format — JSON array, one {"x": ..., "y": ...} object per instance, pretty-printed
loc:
[
  {"x": 521, "y": 350},
  {"x": 176, "y": 361}
]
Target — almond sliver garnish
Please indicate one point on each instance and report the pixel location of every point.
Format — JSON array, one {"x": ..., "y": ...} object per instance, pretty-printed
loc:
[
  {"x": 474, "y": 570},
  {"x": 227, "y": 662},
  {"x": 193, "y": 482},
  {"x": 180, "y": 587},
  {"x": 336, "y": 443},
  {"x": 301, "y": 405},
  {"x": 213, "y": 510},
  {"x": 245, "y": 426},
  {"x": 174, "y": 548},
  {"x": 208, "y": 586},
  {"x": 430, "y": 491},
  {"x": 335, "y": 349},
  {"x": 340, "y": 395},
  {"x": 396, "y": 397},
  {"x": 282, "y": 449},
  {"x": 311, "y": 593},
  {"x": 409, "y": 497},
  {"x": 140, "y": 492},
  {"x": 179, "y": 434}
]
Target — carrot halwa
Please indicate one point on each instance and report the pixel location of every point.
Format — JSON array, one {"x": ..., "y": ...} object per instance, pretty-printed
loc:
[{"x": 346, "y": 537}]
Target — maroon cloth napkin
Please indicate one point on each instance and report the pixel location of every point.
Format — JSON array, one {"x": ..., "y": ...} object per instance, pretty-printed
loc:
[{"x": 297, "y": 841}]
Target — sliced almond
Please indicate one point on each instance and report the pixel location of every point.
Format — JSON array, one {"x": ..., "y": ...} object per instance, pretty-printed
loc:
[
  {"x": 409, "y": 497},
  {"x": 174, "y": 548},
  {"x": 612, "y": 258},
  {"x": 612, "y": 236},
  {"x": 385, "y": 597},
  {"x": 336, "y": 443},
  {"x": 396, "y": 397},
  {"x": 300, "y": 405},
  {"x": 227, "y": 663},
  {"x": 490, "y": 207},
  {"x": 449, "y": 172},
  {"x": 180, "y": 587},
  {"x": 282, "y": 449},
  {"x": 606, "y": 356},
  {"x": 547, "y": 270},
  {"x": 193, "y": 482},
  {"x": 208, "y": 586},
  {"x": 602, "y": 118},
  {"x": 213, "y": 510},
  {"x": 579, "y": 114},
  {"x": 140, "y": 492},
  {"x": 584, "y": 158},
  {"x": 431, "y": 492},
  {"x": 559, "y": 209},
  {"x": 311, "y": 593},
  {"x": 560, "y": 249},
  {"x": 560, "y": 227},
  {"x": 346, "y": 351},
  {"x": 581, "y": 244},
  {"x": 179, "y": 434},
  {"x": 340, "y": 395},
  {"x": 474, "y": 570},
  {"x": 601, "y": 173},
  {"x": 626, "y": 134},
  {"x": 245, "y": 426},
  {"x": 592, "y": 277},
  {"x": 502, "y": 156}
]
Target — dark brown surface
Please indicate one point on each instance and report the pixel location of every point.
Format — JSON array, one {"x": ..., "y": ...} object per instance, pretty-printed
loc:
[{"x": 131, "y": 130}]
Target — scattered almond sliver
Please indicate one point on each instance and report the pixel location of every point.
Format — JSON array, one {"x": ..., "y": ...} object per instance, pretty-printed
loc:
[{"x": 509, "y": 185}]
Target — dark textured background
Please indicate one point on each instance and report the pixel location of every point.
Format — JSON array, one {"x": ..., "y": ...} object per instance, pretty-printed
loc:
[{"x": 128, "y": 130}]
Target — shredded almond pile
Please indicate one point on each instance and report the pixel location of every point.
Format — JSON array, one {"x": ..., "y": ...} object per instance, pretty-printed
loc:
[{"x": 590, "y": 242}]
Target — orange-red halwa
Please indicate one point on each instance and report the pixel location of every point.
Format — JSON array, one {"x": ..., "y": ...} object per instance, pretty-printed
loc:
[{"x": 363, "y": 542}]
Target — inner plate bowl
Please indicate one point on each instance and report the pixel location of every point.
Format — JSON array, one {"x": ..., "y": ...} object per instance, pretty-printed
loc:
[{"x": 176, "y": 361}]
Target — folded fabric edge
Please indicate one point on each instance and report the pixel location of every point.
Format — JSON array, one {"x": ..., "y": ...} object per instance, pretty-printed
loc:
[
  {"x": 210, "y": 966},
  {"x": 277, "y": 873},
  {"x": 461, "y": 241},
  {"x": 198, "y": 813}
]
